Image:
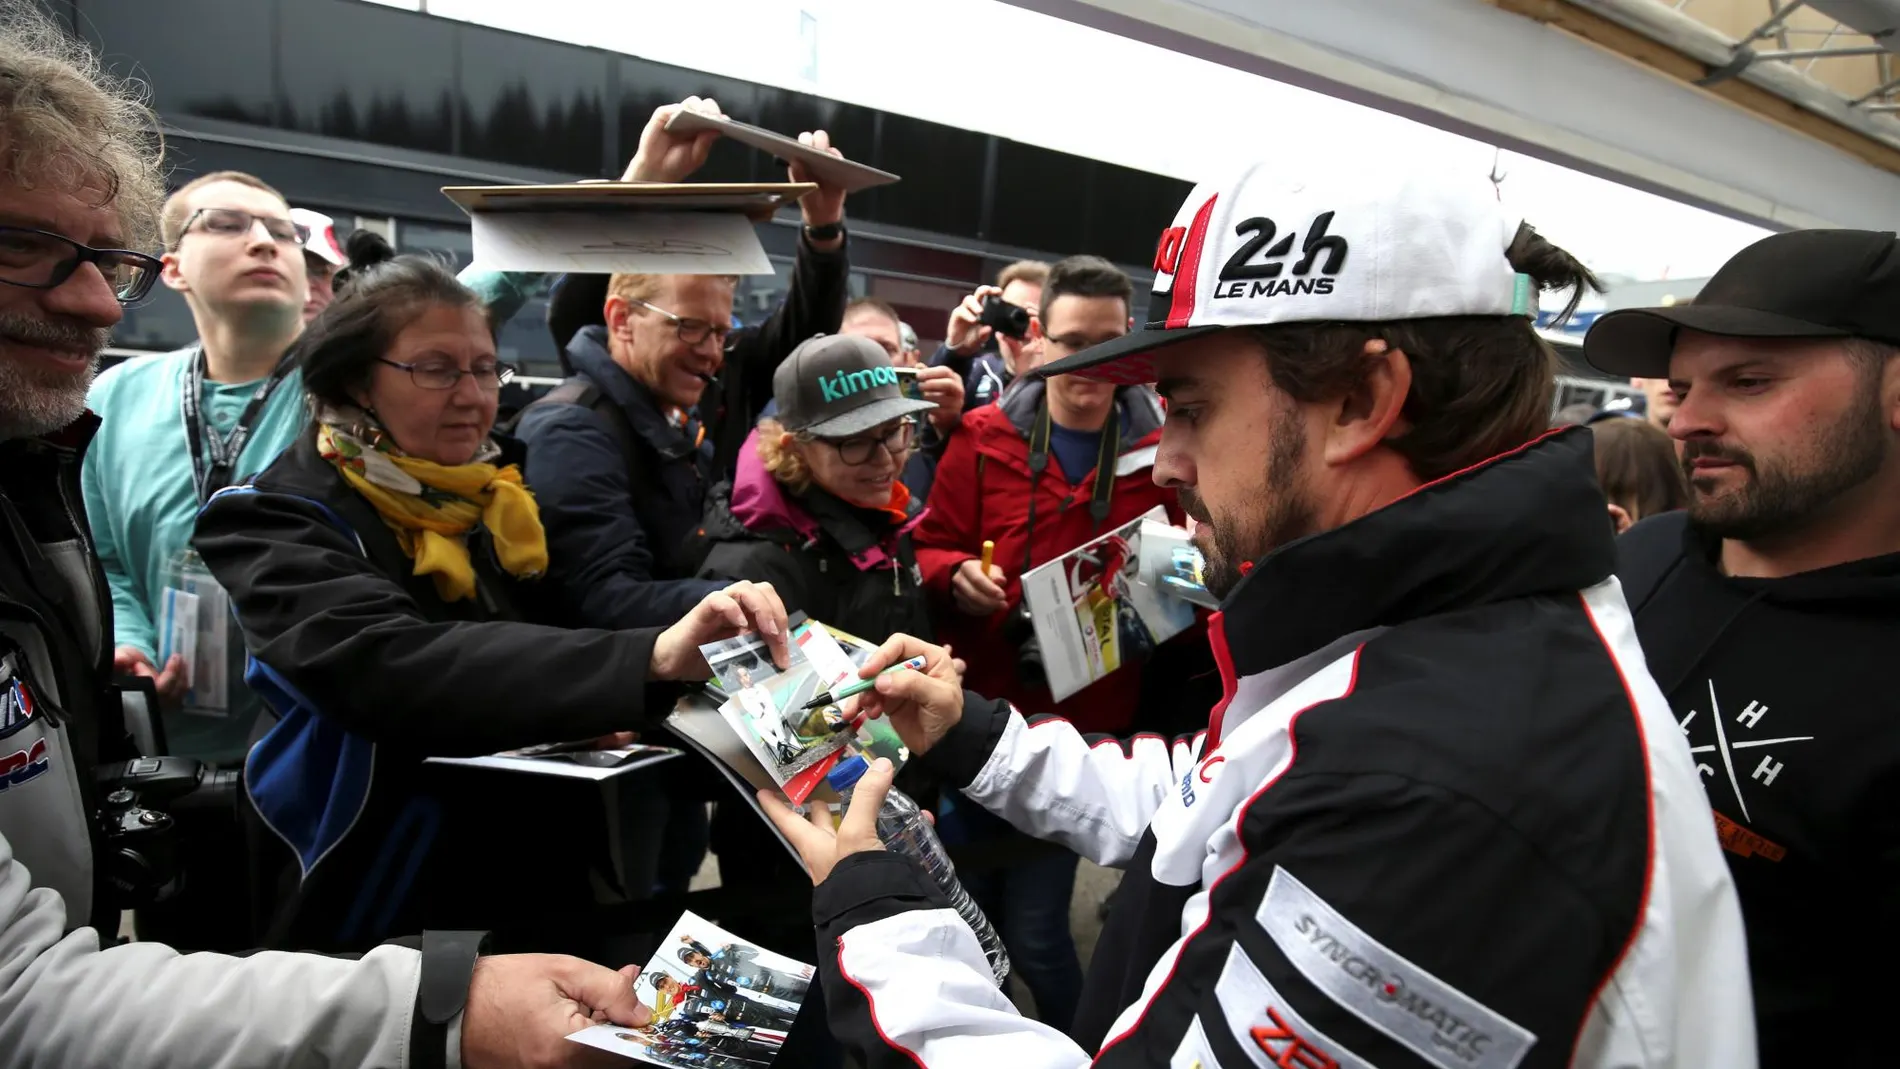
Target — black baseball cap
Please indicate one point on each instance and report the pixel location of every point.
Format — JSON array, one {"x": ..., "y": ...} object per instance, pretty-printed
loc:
[
  {"x": 1801, "y": 284},
  {"x": 838, "y": 385}
]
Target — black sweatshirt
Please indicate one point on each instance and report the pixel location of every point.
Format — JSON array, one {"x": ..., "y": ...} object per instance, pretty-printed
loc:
[{"x": 1785, "y": 690}]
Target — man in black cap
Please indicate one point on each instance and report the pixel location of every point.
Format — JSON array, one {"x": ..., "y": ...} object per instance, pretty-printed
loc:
[{"x": 1768, "y": 608}]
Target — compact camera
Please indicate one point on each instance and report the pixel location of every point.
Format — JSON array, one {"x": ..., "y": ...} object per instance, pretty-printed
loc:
[{"x": 1005, "y": 318}]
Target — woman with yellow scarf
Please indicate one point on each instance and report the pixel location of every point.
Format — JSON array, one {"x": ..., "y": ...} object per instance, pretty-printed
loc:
[{"x": 383, "y": 572}]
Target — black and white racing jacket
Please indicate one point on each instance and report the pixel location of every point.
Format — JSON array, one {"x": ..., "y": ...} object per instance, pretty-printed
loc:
[{"x": 1442, "y": 820}]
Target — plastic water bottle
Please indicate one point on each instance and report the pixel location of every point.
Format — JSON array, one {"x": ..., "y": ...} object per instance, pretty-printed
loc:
[{"x": 903, "y": 828}]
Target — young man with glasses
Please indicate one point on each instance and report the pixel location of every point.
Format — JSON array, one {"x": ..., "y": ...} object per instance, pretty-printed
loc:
[
  {"x": 181, "y": 426},
  {"x": 177, "y": 428},
  {"x": 665, "y": 389}
]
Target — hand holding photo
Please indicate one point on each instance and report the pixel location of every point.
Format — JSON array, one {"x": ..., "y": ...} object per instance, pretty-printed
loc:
[
  {"x": 771, "y": 709},
  {"x": 717, "y": 1000}
]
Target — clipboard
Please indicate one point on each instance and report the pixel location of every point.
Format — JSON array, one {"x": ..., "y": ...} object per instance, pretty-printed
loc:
[{"x": 848, "y": 175}]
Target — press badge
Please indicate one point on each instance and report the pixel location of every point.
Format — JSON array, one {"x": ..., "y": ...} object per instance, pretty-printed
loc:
[{"x": 194, "y": 623}]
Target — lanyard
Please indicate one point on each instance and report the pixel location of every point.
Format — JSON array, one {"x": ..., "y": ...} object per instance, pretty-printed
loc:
[
  {"x": 209, "y": 475},
  {"x": 1104, "y": 489}
]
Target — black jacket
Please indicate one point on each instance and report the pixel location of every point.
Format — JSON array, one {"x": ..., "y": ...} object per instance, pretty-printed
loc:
[
  {"x": 1440, "y": 818},
  {"x": 1785, "y": 693},
  {"x": 851, "y": 568},
  {"x": 370, "y": 672},
  {"x": 621, "y": 501},
  {"x": 63, "y": 721}
]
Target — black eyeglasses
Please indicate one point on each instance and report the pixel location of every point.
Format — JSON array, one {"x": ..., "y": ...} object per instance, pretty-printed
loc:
[
  {"x": 861, "y": 449},
  {"x": 439, "y": 376},
  {"x": 691, "y": 331},
  {"x": 41, "y": 260},
  {"x": 229, "y": 222}
]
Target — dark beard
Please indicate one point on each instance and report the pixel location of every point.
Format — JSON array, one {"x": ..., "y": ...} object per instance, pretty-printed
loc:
[
  {"x": 1286, "y": 510},
  {"x": 1779, "y": 498}
]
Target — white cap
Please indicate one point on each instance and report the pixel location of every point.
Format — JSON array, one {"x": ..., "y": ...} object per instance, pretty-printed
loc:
[
  {"x": 323, "y": 243},
  {"x": 1362, "y": 243}
]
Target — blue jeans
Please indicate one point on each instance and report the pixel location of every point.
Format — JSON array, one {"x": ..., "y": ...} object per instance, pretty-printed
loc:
[{"x": 1027, "y": 901}]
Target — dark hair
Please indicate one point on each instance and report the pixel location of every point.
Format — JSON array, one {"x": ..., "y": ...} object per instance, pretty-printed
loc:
[
  {"x": 337, "y": 350},
  {"x": 1637, "y": 467},
  {"x": 1481, "y": 385},
  {"x": 364, "y": 249},
  {"x": 1085, "y": 276}
]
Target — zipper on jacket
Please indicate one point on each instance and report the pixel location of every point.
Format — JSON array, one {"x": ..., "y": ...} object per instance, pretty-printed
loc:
[{"x": 101, "y": 600}]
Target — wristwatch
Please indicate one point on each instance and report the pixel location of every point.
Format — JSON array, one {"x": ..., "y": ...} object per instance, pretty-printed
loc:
[{"x": 824, "y": 233}]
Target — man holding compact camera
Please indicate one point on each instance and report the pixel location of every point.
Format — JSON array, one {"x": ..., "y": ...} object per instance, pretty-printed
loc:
[
  {"x": 1050, "y": 466},
  {"x": 987, "y": 340}
]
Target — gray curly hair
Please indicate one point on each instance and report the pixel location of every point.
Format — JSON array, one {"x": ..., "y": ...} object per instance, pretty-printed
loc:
[{"x": 67, "y": 122}]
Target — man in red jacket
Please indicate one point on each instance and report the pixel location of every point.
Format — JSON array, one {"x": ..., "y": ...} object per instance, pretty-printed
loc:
[{"x": 1023, "y": 473}]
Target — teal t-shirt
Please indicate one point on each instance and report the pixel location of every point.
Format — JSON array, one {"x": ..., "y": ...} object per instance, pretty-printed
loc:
[{"x": 142, "y": 505}]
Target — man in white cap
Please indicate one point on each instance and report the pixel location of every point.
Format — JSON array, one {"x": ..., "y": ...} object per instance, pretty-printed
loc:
[
  {"x": 322, "y": 255},
  {"x": 1442, "y": 816}
]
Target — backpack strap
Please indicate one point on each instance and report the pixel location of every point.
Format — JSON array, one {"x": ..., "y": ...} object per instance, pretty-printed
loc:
[{"x": 582, "y": 391}]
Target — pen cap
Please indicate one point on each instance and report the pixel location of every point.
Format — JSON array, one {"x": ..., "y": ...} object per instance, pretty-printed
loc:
[{"x": 846, "y": 773}]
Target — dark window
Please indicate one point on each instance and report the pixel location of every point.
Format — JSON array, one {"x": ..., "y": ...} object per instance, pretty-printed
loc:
[
  {"x": 367, "y": 73},
  {"x": 1129, "y": 211},
  {"x": 170, "y": 46},
  {"x": 531, "y": 102},
  {"x": 449, "y": 244},
  {"x": 1042, "y": 199},
  {"x": 942, "y": 168},
  {"x": 645, "y": 85},
  {"x": 162, "y": 323},
  {"x": 853, "y": 129}
]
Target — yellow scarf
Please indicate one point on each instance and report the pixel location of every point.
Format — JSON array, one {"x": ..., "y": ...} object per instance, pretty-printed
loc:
[{"x": 432, "y": 508}]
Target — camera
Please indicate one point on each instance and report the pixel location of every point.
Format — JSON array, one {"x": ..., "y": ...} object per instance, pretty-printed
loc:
[
  {"x": 1005, "y": 318},
  {"x": 141, "y": 859},
  {"x": 1020, "y": 631}
]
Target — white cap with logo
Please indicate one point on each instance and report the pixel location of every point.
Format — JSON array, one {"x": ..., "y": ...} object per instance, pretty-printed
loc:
[
  {"x": 322, "y": 242},
  {"x": 1362, "y": 244}
]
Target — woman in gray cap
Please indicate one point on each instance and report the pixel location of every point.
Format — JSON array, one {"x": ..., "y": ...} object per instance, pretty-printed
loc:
[{"x": 818, "y": 506}]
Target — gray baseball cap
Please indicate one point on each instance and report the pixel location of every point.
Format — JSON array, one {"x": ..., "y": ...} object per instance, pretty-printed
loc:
[{"x": 838, "y": 385}]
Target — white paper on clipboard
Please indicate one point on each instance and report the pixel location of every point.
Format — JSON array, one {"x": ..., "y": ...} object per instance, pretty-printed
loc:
[
  {"x": 848, "y": 175},
  {"x": 644, "y": 242}
]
